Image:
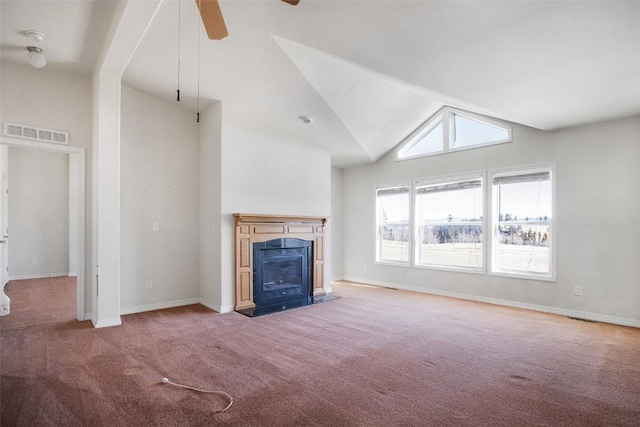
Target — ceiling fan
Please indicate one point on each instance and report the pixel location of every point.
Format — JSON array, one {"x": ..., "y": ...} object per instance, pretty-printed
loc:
[{"x": 212, "y": 17}]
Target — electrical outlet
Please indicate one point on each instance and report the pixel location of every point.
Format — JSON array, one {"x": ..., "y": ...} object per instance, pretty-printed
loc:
[
  {"x": 578, "y": 290},
  {"x": 149, "y": 284},
  {"x": 34, "y": 262},
  {"x": 365, "y": 267},
  {"x": 156, "y": 226}
]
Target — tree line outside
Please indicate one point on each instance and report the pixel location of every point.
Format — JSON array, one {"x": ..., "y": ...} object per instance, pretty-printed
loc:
[{"x": 510, "y": 234}]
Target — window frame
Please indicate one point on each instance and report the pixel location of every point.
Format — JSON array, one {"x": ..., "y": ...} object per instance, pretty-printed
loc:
[
  {"x": 494, "y": 235},
  {"x": 378, "y": 241},
  {"x": 482, "y": 175},
  {"x": 446, "y": 116}
]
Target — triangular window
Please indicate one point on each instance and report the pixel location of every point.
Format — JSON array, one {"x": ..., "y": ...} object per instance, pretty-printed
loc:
[
  {"x": 469, "y": 132},
  {"x": 428, "y": 141},
  {"x": 453, "y": 130}
]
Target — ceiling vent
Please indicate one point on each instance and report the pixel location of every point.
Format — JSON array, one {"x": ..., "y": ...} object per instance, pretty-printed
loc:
[{"x": 36, "y": 134}]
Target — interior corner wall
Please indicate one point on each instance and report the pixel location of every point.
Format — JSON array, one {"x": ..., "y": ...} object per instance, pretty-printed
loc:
[
  {"x": 596, "y": 201},
  {"x": 266, "y": 171},
  {"x": 159, "y": 185},
  {"x": 337, "y": 253},
  {"x": 58, "y": 100},
  {"x": 209, "y": 205},
  {"x": 38, "y": 214}
]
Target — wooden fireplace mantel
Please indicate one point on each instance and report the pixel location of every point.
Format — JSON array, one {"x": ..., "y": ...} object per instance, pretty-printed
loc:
[{"x": 255, "y": 228}]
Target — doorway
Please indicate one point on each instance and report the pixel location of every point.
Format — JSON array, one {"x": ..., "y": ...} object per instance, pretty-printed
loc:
[{"x": 76, "y": 218}]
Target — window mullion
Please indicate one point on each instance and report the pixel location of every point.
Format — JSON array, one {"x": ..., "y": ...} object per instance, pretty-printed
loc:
[{"x": 446, "y": 130}]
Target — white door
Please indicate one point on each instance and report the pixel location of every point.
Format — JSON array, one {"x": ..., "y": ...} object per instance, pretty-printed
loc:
[{"x": 4, "y": 220}]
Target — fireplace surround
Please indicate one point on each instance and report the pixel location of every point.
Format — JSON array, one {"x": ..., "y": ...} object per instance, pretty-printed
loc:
[{"x": 275, "y": 231}]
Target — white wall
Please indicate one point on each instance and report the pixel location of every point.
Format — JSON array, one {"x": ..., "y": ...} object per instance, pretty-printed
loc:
[
  {"x": 210, "y": 199},
  {"x": 54, "y": 100},
  {"x": 159, "y": 183},
  {"x": 337, "y": 253},
  {"x": 596, "y": 176},
  {"x": 265, "y": 172},
  {"x": 38, "y": 213}
]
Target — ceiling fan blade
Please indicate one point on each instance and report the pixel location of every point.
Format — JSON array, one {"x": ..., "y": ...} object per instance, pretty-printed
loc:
[
  {"x": 212, "y": 19},
  {"x": 292, "y": 2}
]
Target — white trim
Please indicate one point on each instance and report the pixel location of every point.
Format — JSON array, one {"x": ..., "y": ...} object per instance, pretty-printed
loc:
[
  {"x": 463, "y": 176},
  {"x": 39, "y": 276},
  {"x": 422, "y": 131},
  {"x": 216, "y": 307},
  {"x": 492, "y": 271},
  {"x": 159, "y": 306},
  {"x": 597, "y": 317},
  {"x": 209, "y": 304},
  {"x": 77, "y": 155},
  {"x": 377, "y": 242},
  {"x": 486, "y": 120},
  {"x": 393, "y": 264},
  {"x": 225, "y": 309},
  {"x": 474, "y": 175},
  {"x": 453, "y": 269},
  {"x": 523, "y": 275},
  {"x": 106, "y": 323},
  {"x": 445, "y": 115}
]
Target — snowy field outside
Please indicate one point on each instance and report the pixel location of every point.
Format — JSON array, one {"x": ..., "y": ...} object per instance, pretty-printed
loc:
[{"x": 469, "y": 255}]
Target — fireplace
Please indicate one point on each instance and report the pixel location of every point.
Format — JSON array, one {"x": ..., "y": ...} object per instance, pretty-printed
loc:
[
  {"x": 282, "y": 271},
  {"x": 279, "y": 262}
]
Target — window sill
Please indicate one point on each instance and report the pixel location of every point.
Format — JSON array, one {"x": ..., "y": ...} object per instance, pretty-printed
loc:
[
  {"x": 453, "y": 269},
  {"x": 393, "y": 264},
  {"x": 527, "y": 276}
]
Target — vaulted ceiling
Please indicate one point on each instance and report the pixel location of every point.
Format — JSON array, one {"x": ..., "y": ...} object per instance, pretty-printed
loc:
[{"x": 368, "y": 72}]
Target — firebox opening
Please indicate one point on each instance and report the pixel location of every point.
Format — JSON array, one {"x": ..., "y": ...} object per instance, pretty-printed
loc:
[
  {"x": 282, "y": 276},
  {"x": 282, "y": 272}
]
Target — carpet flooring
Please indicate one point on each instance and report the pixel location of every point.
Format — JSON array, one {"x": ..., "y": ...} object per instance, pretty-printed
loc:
[
  {"x": 376, "y": 357},
  {"x": 40, "y": 301}
]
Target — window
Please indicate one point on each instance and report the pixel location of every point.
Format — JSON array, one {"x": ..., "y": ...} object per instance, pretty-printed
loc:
[
  {"x": 452, "y": 130},
  {"x": 523, "y": 222},
  {"x": 392, "y": 210},
  {"x": 467, "y": 132},
  {"x": 448, "y": 219},
  {"x": 430, "y": 140}
]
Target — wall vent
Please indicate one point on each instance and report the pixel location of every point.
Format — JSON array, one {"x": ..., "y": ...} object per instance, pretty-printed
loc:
[{"x": 37, "y": 134}]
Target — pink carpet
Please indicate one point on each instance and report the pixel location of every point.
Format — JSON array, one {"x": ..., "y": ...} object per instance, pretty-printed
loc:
[{"x": 376, "y": 357}]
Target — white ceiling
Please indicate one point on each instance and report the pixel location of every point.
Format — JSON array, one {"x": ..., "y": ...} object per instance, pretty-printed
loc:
[
  {"x": 74, "y": 31},
  {"x": 368, "y": 72}
]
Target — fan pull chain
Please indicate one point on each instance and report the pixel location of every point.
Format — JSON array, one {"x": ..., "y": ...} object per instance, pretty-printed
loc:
[{"x": 179, "y": 24}]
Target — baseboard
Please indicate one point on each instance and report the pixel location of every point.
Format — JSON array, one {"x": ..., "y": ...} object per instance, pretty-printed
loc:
[
  {"x": 159, "y": 306},
  {"x": 605, "y": 318},
  {"x": 105, "y": 323},
  {"x": 216, "y": 307},
  {"x": 38, "y": 276},
  {"x": 328, "y": 288}
]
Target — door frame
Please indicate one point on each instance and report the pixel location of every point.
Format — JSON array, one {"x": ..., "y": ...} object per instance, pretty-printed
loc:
[
  {"x": 5, "y": 213},
  {"x": 77, "y": 159}
]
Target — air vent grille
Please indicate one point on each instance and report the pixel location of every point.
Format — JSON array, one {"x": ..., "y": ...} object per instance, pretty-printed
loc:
[{"x": 38, "y": 134}]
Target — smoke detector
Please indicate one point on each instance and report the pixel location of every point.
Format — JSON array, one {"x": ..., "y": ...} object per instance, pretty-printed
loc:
[{"x": 305, "y": 119}]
